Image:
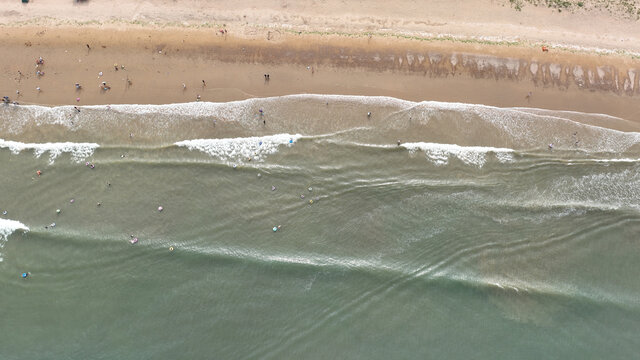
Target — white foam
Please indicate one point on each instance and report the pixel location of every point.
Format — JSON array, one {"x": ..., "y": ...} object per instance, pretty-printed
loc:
[
  {"x": 79, "y": 151},
  {"x": 611, "y": 190},
  {"x": 439, "y": 154},
  {"x": 7, "y": 227},
  {"x": 530, "y": 130},
  {"x": 240, "y": 149}
]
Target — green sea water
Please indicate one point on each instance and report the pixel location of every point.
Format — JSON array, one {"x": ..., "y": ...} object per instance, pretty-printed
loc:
[{"x": 424, "y": 230}]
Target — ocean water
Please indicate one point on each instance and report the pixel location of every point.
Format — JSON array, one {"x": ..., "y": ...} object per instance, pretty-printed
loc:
[{"x": 425, "y": 230}]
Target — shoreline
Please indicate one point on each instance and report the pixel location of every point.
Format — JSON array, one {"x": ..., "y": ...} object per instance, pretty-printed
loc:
[
  {"x": 302, "y": 57},
  {"x": 158, "y": 62}
]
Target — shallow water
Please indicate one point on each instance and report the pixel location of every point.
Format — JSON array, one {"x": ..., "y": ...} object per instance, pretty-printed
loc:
[{"x": 470, "y": 239}]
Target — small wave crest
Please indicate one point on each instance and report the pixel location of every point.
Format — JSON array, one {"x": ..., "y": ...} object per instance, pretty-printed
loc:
[
  {"x": 240, "y": 149},
  {"x": 439, "y": 154},
  {"x": 7, "y": 227},
  {"x": 78, "y": 151}
]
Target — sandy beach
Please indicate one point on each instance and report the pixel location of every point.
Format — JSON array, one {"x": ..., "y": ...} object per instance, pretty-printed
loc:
[
  {"x": 485, "y": 52},
  {"x": 320, "y": 179}
]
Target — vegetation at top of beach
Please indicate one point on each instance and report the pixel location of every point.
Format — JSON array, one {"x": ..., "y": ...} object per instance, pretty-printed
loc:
[{"x": 629, "y": 9}]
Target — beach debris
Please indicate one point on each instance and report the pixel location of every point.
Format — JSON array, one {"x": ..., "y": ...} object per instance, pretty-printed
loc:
[
  {"x": 273, "y": 188},
  {"x": 160, "y": 208},
  {"x": 310, "y": 189},
  {"x": 58, "y": 211},
  {"x": 72, "y": 201},
  {"x": 311, "y": 202},
  {"x": 259, "y": 175},
  {"x": 301, "y": 196}
]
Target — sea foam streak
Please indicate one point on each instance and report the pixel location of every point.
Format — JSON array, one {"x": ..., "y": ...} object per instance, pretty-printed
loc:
[
  {"x": 7, "y": 227},
  {"x": 79, "y": 151},
  {"x": 471, "y": 155},
  {"x": 240, "y": 149}
]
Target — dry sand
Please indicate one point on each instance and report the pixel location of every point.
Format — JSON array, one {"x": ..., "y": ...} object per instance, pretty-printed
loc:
[{"x": 372, "y": 48}]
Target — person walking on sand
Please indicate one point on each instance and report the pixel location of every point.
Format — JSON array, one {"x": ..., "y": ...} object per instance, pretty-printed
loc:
[{"x": 204, "y": 84}]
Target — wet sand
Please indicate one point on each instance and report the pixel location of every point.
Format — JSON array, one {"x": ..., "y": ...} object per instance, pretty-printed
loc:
[{"x": 158, "y": 60}]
